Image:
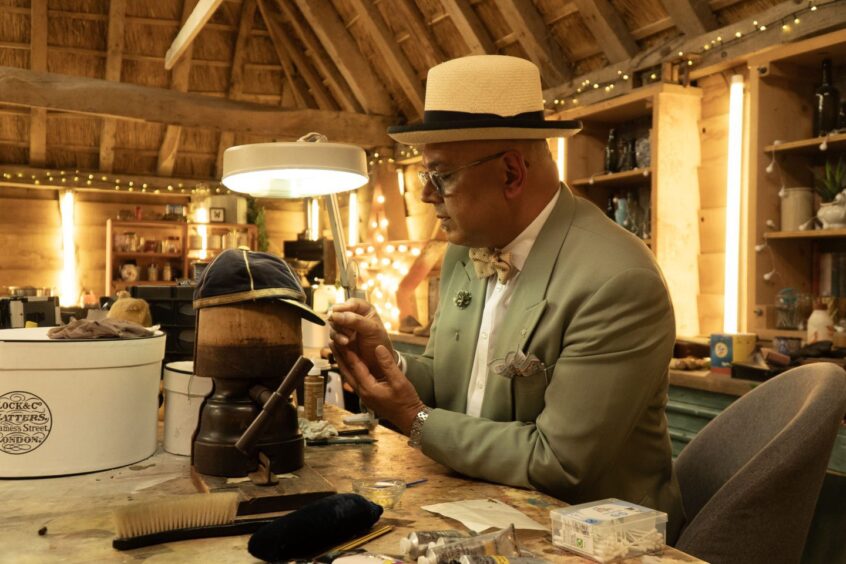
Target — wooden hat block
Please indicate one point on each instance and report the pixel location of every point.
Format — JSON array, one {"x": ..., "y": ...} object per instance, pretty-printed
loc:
[{"x": 247, "y": 348}]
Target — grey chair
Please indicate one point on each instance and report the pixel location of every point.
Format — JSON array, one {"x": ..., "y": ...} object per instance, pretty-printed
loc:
[{"x": 750, "y": 479}]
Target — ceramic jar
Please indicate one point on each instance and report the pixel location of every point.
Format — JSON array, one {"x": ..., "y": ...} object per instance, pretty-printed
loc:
[{"x": 797, "y": 208}]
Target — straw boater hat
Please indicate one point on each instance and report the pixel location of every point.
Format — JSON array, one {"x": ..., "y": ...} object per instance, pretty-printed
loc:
[{"x": 483, "y": 97}]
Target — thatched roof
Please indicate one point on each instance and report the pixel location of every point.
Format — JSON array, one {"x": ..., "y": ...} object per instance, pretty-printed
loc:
[{"x": 257, "y": 66}]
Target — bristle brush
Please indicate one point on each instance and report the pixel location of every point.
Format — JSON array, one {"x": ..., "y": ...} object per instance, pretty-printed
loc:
[{"x": 195, "y": 516}]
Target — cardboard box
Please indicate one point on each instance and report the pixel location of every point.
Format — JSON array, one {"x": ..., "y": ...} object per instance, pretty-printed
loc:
[{"x": 727, "y": 348}]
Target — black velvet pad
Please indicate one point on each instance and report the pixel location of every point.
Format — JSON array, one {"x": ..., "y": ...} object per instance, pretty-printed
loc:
[{"x": 315, "y": 528}]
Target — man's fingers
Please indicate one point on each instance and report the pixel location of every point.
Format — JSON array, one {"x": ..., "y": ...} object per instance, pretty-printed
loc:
[
  {"x": 349, "y": 322},
  {"x": 353, "y": 369},
  {"x": 355, "y": 305}
]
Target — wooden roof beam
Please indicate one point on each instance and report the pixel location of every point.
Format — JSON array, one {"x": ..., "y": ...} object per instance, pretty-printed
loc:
[
  {"x": 297, "y": 60},
  {"x": 202, "y": 12},
  {"x": 38, "y": 62},
  {"x": 692, "y": 17},
  {"x": 180, "y": 76},
  {"x": 341, "y": 47},
  {"x": 534, "y": 38},
  {"x": 608, "y": 29},
  {"x": 469, "y": 27},
  {"x": 236, "y": 77},
  {"x": 114, "y": 63},
  {"x": 93, "y": 96},
  {"x": 336, "y": 83},
  {"x": 411, "y": 17},
  {"x": 826, "y": 18},
  {"x": 398, "y": 66}
]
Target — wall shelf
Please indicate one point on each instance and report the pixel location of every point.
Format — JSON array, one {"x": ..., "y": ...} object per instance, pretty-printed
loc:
[
  {"x": 809, "y": 234},
  {"x": 811, "y": 146},
  {"x": 781, "y": 107},
  {"x": 180, "y": 262},
  {"x": 627, "y": 178}
]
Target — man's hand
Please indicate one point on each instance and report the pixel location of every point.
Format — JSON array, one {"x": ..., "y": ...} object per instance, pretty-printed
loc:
[
  {"x": 392, "y": 396},
  {"x": 355, "y": 326}
]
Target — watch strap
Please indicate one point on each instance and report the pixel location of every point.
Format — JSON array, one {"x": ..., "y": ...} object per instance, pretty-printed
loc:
[{"x": 415, "y": 437}]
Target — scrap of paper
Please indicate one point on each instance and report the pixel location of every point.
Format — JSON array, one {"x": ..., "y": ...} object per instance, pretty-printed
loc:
[{"x": 481, "y": 514}]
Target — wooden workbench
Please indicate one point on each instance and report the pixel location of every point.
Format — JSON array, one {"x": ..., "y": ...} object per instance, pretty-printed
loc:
[{"x": 76, "y": 510}]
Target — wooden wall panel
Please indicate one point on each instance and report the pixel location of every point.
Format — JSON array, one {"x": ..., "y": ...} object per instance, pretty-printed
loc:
[
  {"x": 713, "y": 132},
  {"x": 30, "y": 242}
]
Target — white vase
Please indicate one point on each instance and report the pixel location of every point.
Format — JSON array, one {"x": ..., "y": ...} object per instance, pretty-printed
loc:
[{"x": 832, "y": 215}]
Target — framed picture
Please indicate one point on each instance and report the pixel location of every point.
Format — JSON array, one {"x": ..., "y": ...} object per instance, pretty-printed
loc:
[{"x": 217, "y": 215}]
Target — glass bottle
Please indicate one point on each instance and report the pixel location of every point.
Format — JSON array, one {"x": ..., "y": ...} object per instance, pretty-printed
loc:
[
  {"x": 826, "y": 103},
  {"x": 612, "y": 156},
  {"x": 610, "y": 209}
]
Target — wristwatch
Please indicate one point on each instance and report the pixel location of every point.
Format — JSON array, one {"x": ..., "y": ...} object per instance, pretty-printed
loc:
[{"x": 415, "y": 437}]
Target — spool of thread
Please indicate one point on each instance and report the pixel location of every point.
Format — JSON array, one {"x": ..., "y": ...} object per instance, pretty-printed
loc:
[{"x": 313, "y": 395}]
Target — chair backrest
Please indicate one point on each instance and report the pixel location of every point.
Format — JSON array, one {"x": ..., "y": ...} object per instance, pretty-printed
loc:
[{"x": 750, "y": 479}]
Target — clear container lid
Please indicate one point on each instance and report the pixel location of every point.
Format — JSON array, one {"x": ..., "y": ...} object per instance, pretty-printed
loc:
[{"x": 609, "y": 511}]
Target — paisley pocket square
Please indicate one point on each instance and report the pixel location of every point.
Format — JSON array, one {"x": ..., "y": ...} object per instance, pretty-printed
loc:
[{"x": 518, "y": 364}]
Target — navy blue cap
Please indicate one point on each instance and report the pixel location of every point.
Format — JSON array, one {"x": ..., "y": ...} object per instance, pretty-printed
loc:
[{"x": 240, "y": 275}]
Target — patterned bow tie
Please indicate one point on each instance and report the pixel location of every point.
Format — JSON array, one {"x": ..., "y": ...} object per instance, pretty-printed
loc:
[{"x": 487, "y": 262}]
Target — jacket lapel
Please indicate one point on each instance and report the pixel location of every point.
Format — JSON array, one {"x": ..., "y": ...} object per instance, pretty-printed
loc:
[
  {"x": 458, "y": 332},
  {"x": 528, "y": 303}
]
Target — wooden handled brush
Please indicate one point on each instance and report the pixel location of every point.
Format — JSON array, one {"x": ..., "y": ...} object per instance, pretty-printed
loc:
[{"x": 195, "y": 516}]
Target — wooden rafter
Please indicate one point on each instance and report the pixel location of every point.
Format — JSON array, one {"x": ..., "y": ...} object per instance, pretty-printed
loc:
[
  {"x": 298, "y": 89},
  {"x": 286, "y": 49},
  {"x": 469, "y": 27},
  {"x": 191, "y": 27},
  {"x": 327, "y": 69},
  {"x": 534, "y": 38},
  {"x": 341, "y": 47},
  {"x": 419, "y": 32},
  {"x": 38, "y": 62},
  {"x": 180, "y": 76},
  {"x": 245, "y": 26},
  {"x": 608, "y": 28},
  {"x": 114, "y": 63},
  {"x": 93, "y": 96},
  {"x": 692, "y": 17},
  {"x": 396, "y": 63},
  {"x": 236, "y": 78},
  {"x": 828, "y": 18}
]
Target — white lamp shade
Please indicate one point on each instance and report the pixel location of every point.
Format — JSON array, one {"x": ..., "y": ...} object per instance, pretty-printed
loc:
[{"x": 294, "y": 170}]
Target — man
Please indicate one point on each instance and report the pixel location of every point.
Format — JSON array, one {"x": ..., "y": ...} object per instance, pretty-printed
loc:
[{"x": 547, "y": 362}]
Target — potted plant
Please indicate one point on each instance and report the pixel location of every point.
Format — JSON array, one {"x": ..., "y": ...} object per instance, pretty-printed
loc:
[{"x": 832, "y": 212}]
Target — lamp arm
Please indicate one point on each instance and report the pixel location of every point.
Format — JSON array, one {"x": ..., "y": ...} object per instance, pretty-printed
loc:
[{"x": 348, "y": 278}]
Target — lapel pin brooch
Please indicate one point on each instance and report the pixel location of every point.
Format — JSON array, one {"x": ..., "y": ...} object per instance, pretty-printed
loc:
[{"x": 462, "y": 299}]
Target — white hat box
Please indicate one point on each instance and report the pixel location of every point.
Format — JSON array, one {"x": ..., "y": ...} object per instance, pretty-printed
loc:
[{"x": 72, "y": 406}]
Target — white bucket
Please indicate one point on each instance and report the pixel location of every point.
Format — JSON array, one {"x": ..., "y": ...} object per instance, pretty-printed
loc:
[
  {"x": 72, "y": 406},
  {"x": 184, "y": 395}
]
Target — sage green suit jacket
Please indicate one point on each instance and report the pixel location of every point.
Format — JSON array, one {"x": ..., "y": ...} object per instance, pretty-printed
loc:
[{"x": 591, "y": 304}]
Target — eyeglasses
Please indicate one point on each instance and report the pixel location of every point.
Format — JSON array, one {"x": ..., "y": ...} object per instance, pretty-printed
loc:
[{"x": 438, "y": 179}]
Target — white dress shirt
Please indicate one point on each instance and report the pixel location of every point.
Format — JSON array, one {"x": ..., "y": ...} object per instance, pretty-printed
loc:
[{"x": 498, "y": 296}]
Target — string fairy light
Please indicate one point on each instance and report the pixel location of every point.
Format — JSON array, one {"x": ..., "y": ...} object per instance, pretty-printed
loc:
[
  {"x": 689, "y": 58},
  {"x": 89, "y": 181}
]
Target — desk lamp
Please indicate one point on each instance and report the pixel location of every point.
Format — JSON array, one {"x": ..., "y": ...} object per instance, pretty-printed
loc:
[{"x": 309, "y": 167}]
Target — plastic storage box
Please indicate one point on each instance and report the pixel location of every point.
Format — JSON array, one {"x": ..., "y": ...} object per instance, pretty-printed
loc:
[{"x": 608, "y": 529}]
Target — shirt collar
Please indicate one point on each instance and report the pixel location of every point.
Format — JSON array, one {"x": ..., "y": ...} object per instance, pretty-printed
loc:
[{"x": 522, "y": 244}]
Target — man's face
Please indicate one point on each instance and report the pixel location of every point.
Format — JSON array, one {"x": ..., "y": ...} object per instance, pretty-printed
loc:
[{"x": 467, "y": 209}]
